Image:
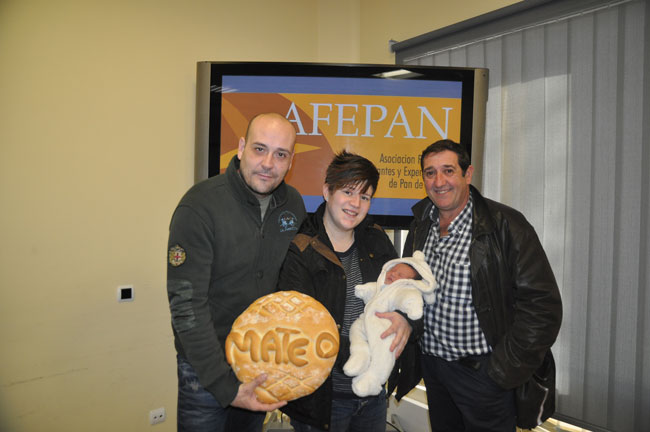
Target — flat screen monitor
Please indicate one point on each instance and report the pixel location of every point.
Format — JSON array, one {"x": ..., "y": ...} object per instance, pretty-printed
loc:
[{"x": 386, "y": 113}]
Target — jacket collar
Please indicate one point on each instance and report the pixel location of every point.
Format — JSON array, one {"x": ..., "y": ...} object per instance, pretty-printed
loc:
[
  {"x": 422, "y": 208},
  {"x": 318, "y": 238},
  {"x": 243, "y": 192},
  {"x": 482, "y": 221}
]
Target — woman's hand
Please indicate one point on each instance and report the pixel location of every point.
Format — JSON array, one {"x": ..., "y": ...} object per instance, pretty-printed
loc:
[{"x": 400, "y": 327}]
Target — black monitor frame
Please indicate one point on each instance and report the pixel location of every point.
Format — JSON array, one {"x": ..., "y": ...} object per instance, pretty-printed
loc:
[{"x": 209, "y": 85}]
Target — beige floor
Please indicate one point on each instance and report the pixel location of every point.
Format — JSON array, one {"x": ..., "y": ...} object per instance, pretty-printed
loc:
[
  {"x": 553, "y": 425},
  {"x": 277, "y": 422}
]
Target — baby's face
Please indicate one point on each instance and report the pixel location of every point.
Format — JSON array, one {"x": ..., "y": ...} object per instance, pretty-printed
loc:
[{"x": 399, "y": 271}]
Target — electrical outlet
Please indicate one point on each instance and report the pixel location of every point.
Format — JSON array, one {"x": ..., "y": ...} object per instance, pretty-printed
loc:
[{"x": 157, "y": 416}]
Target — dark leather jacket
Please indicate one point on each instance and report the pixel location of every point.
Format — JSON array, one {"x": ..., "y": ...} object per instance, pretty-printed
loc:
[
  {"x": 515, "y": 294},
  {"x": 313, "y": 268}
]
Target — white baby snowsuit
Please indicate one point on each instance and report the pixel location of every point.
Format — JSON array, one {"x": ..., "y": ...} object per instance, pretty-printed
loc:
[{"x": 371, "y": 360}]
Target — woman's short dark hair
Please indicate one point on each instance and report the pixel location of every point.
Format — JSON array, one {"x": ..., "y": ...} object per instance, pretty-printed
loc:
[
  {"x": 349, "y": 169},
  {"x": 442, "y": 145}
]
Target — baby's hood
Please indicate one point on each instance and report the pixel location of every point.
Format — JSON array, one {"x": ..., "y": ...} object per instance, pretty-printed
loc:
[{"x": 428, "y": 283}]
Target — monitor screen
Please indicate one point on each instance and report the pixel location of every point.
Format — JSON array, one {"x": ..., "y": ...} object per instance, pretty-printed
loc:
[{"x": 385, "y": 113}]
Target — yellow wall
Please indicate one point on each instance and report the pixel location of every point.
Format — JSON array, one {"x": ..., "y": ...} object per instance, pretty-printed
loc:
[
  {"x": 383, "y": 20},
  {"x": 96, "y": 138}
]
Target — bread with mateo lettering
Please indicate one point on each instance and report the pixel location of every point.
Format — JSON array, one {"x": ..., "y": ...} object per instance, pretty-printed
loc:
[{"x": 289, "y": 336}]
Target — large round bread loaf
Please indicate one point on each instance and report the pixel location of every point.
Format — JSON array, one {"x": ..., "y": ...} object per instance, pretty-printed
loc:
[{"x": 289, "y": 336}]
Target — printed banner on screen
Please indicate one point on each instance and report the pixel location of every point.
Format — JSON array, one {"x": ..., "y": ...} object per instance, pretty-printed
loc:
[{"x": 389, "y": 122}]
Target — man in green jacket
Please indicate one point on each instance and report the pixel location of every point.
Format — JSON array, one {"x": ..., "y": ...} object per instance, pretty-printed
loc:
[{"x": 228, "y": 238}]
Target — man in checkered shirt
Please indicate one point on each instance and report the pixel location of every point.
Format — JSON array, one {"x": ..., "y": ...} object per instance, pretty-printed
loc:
[{"x": 486, "y": 359}]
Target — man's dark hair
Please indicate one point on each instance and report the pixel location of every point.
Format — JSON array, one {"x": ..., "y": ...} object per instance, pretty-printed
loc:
[
  {"x": 442, "y": 145},
  {"x": 349, "y": 169}
]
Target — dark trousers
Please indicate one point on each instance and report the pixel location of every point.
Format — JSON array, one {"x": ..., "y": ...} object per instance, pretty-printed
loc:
[
  {"x": 462, "y": 397},
  {"x": 366, "y": 414},
  {"x": 199, "y": 411}
]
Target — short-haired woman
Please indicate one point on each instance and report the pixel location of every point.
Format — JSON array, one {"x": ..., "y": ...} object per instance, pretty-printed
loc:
[{"x": 336, "y": 249}]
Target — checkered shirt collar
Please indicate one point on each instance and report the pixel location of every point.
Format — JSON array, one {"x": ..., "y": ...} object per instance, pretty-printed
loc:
[{"x": 460, "y": 224}]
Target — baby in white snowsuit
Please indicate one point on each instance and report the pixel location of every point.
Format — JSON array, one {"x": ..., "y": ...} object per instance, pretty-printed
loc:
[{"x": 404, "y": 284}]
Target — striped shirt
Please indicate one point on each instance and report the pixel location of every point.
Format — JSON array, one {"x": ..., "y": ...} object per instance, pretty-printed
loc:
[
  {"x": 451, "y": 327},
  {"x": 342, "y": 383}
]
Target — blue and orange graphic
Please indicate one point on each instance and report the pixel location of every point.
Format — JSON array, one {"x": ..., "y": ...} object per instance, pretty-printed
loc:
[{"x": 389, "y": 122}]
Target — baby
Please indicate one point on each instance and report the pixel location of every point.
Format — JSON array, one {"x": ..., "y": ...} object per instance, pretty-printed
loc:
[
  {"x": 404, "y": 284},
  {"x": 401, "y": 271}
]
